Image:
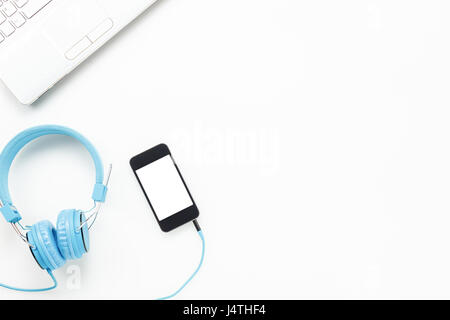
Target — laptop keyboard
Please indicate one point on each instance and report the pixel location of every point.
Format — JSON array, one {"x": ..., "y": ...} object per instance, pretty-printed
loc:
[{"x": 15, "y": 13}]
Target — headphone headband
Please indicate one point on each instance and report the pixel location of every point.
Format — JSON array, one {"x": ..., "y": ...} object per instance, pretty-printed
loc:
[{"x": 21, "y": 140}]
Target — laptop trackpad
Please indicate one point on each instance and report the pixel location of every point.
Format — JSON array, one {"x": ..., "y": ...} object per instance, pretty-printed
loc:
[{"x": 75, "y": 26}]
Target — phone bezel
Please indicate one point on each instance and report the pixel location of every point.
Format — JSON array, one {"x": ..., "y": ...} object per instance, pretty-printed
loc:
[{"x": 177, "y": 219}]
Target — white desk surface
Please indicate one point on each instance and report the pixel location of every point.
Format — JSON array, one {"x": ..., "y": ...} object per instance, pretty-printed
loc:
[{"x": 314, "y": 136}]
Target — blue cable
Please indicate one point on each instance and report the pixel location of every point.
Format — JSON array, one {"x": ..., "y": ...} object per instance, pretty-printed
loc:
[
  {"x": 200, "y": 233},
  {"x": 55, "y": 284}
]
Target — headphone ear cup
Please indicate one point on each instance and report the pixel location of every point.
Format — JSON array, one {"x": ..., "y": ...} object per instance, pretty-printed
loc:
[
  {"x": 45, "y": 248},
  {"x": 73, "y": 241}
]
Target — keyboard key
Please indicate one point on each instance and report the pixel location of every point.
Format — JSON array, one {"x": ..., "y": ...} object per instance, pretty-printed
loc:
[
  {"x": 7, "y": 29},
  {"x": 33, "y": 7},
  {"x": 17, "y": 20},
  {"x": 9, "y": 9},
  {"x": 2, "y": 18},
  {"x": 20, "y": 3},
  {"x": 1, "y": 38}
]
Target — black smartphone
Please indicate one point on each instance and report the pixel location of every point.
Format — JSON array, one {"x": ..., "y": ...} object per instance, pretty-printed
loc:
[{"x": 164, "y": 187}]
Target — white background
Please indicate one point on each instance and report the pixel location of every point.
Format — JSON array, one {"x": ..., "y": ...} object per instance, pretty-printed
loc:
[{"x": 314, "y": 136}]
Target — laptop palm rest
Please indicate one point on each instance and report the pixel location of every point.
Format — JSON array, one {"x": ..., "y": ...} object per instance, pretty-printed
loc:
[{"x": 73, "y": 28}]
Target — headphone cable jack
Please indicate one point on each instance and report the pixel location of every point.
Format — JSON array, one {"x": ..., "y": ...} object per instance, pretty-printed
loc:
[{"x": 197, "y": 225}]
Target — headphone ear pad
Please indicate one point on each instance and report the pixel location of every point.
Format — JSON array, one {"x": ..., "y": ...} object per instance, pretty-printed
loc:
[
  {"x": 45, "y": 248},
  {"x": 73, "y": 242}
]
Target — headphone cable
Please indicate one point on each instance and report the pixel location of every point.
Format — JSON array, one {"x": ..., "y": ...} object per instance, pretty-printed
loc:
[
  {"x": 55, "y": 284},
  {"x": 200, "y": 233}
]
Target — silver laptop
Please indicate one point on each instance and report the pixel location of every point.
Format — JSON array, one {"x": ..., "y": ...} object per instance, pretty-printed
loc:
[{"x": 41, "y": 41}]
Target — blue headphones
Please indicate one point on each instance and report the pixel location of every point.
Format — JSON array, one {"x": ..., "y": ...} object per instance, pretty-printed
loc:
[{"x": 51, "y": 247}]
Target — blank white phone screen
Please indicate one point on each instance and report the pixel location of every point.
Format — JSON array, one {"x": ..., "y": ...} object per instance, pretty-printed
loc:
[{"x": 164, "y": 187}]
